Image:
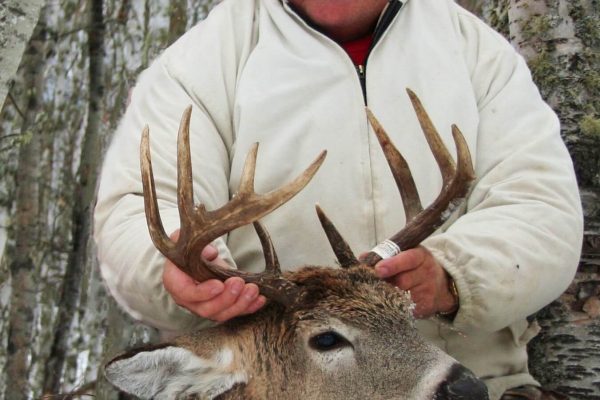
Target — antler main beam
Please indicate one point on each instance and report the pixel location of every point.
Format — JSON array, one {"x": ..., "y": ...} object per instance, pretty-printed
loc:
[{"x": 199, "y": 227}]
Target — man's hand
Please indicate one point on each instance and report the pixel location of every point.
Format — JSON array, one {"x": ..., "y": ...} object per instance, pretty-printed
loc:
[
  {"x": 418, "y": 271},
  {"x": 212, "y": 299}
]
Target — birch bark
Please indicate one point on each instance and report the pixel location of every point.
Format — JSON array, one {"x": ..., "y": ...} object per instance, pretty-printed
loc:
[
  {"x": 24, "y": 256},
  {"x": 560, "y": 40},
  {"x": 80, "y": 261},
  {"x": 17, "y": 21}
]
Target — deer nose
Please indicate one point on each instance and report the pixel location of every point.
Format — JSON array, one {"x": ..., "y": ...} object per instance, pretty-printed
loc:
[{"x": 461, "y": 384}]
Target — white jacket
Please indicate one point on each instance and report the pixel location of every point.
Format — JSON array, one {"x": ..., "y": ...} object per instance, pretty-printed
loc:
[{"x": 255, "y": 72}]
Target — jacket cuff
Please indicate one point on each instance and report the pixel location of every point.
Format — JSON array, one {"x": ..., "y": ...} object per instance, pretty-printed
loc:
[{"x": 464, "y": 317}]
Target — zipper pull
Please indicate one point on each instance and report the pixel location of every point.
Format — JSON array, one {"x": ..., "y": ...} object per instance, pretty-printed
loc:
[
  {"x": 360, "y": 69},
  {"x": 362, "y": 78}
]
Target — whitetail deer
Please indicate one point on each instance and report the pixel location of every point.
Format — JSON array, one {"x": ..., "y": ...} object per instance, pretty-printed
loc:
[{"x": 326, "y": 333}]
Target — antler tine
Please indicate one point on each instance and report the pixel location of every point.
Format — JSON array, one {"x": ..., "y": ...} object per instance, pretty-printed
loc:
[
  {"x": 452, "y": 194},
  {"x": 400, "y": 170},
  {"x": 157, "y": 232},
  {"x": 271, "y": 260},
  {"x": 185, "y": 193},
  {"x": 247, "y": 177},
  {"x": 440, "y": 152},
  {"x": 340, "y": 247},
  {"x": 246, "y": 207},
  {"x": 464, "y": 170},
  {"x": 456, "y": 184},
  {"x": 200, "y": 227}
]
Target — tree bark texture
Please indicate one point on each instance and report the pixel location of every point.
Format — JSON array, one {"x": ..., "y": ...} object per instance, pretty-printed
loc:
[
  {"x": 560, "y": 40},
  {"x": 80, "y": 260},
  {"x": 94, "y": 51},
  {"x": 475, "y": 6},
  {"x": 18, "y": 18},
  {"x": 177, "y": 19},
  {"x": 123, "y": 334},
  {"x": 24, "y": 255}
]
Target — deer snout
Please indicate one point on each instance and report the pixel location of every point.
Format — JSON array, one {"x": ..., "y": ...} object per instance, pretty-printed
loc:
[{"x": 461, "y": 384}]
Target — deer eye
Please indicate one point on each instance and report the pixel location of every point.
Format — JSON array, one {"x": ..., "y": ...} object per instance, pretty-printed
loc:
[{"x": 327, "y": 341}]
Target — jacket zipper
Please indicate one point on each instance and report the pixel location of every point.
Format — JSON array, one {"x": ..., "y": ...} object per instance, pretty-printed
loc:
[
  {"x": 386, "y": 19},
  {"x": 362, "y": 77},
  {"x": 388, "y": 16}
]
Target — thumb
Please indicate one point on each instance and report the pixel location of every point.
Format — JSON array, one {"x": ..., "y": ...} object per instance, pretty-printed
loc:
[{"x": 210, "y": 253}]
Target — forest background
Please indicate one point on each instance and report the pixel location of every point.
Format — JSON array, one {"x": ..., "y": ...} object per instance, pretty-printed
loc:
[{"x": 66, "y": 67}]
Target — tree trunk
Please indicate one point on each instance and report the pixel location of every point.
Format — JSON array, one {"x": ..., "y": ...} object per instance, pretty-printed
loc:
[
  {"x": 177, "y": 19},
  {"x": 123, "y": 333},
  {"x": 475, "y": 6},
  {"x": 560, "y": 40},
  {"x": 65, "y": 309},
  {"x": 17, "y": 21},
  {"x": 24, "y": 257},
  {"x": 79, "y": 259}
]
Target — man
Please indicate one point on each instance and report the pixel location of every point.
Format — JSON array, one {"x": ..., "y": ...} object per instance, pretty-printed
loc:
[{"x": 279, "y": 73}]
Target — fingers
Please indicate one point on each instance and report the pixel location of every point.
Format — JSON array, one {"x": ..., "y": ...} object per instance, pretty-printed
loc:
[
  {"x": 405, "y": 261},
  {"x": 422, "y": 290},
  {"x": 408, "y": 280},
  {"x": 417, "y": 271},
  {"x": 209, "y": 253},
  {"x": 256, "y": 305},
  {"x": 184, "y": 289},
  {"x": 174, "y": 236},
  {"x": 232, "y": 302},
  {"x": 213, "y": 299}
]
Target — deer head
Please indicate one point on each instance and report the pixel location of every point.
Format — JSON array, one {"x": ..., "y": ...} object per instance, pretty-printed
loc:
[{"x": 326, "y": 333}]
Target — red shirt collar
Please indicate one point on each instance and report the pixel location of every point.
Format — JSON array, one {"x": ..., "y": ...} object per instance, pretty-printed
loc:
[{"x": 358, "y": 49}]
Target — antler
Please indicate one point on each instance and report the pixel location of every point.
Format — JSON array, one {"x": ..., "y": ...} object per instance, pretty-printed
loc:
[
  {"x": 199, "y": 227},
  {"x": 420, "y": 223}
]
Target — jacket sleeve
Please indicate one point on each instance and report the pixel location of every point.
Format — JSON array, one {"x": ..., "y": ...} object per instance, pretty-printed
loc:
[
  {"x": 517, "y": 246},
  {"x": 130, "y": 265}
]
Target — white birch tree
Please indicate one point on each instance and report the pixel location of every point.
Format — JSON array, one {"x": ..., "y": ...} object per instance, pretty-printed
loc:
[
  {"x": 560, "y": 39},
  {"x": 17, "y": 20}
]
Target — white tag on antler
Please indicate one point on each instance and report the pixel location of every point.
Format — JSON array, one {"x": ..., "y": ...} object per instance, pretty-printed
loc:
[{"x": 386, "y": 249}]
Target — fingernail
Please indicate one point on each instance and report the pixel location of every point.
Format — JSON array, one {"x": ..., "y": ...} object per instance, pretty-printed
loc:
[
  {"x": 260, "y": 301},
  {"x": 250, "y": 292},
  {"x": 236, "y": 287}
]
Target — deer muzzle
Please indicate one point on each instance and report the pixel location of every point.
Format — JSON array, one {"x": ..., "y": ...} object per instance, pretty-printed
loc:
[{"x": 461, "y": 384}]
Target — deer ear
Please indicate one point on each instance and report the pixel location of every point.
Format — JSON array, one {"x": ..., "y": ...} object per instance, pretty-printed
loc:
[{"x": 171, "y": 372}]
